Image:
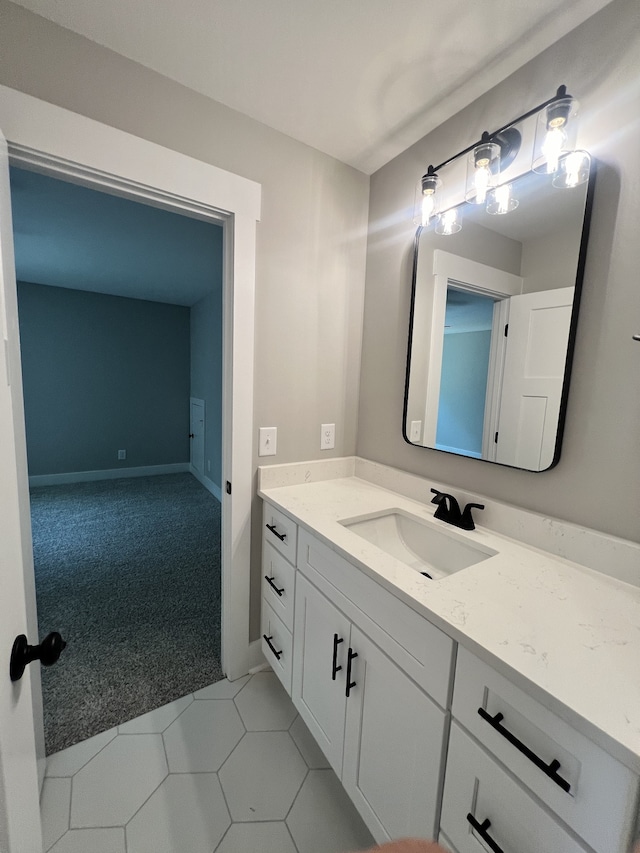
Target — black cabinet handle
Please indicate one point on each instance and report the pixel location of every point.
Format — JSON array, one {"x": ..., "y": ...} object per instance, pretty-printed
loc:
[
  {"x": 350, "y": 656},
  {"x": 270, "y": 581},
  {"x": 334, "y": 668},
  {"x": 550, "y": 770},
  {"x": 271, "y": 646},
  {"x": 481, "y": 829},
  {"x": 272, "y": 528}
]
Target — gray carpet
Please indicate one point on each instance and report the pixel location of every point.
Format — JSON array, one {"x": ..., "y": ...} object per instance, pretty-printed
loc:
[{"x": 128, "y": 571}]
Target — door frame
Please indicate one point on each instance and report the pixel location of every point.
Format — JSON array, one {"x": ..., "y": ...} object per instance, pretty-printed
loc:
[{"x": 58, "y": 142}]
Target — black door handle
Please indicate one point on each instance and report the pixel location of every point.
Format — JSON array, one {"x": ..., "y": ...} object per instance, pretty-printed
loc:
[
  {"x": 272, "y": 528},
  {"x": 334, "y": 667},
  {"x": 350, "y": 656},
  {"x": 481, "y": 829},
  {"x": 550, "y": 770},
  {"x": 270, "y": 581},
  {"x": 22, "y": 653},
  {"x": 268, "y": 639}
]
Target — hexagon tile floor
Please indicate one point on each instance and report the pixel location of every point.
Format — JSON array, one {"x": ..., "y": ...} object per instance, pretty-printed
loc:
[{"x": 231, "y": 769}]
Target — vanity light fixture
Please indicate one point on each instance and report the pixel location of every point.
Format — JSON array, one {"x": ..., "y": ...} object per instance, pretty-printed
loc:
[
  {"x": 429, "y": 185},
  {"x": 483, "y": 168},
  {"x": 488, "y": 159},
  {"x": 555, "y": 133}
]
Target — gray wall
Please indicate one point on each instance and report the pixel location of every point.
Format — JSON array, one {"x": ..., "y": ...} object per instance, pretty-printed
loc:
[
  {"x": 311, "y": 239},
  {"x": 206, "y": 374},
  {"x": 100, "y": 374},
  {"x": 597, "y": 481}
]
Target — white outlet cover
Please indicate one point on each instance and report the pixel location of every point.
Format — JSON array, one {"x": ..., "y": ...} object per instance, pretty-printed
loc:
[
  {"x": 267, "y": 442},
  {"x": 415, "y": 433},
  {"x": 327, "y": 436}
]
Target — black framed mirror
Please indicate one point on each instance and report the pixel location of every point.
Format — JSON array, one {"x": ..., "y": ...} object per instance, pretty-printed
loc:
[{"x": 494, "y": 308}]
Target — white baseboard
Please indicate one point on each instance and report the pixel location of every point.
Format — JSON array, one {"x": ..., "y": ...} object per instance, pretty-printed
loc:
[
  {"x": 108, "y": 474},
  {"x": 209, "y": 485}
]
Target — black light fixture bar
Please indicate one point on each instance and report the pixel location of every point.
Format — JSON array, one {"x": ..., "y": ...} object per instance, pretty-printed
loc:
[{"x": 561, "y": 93}]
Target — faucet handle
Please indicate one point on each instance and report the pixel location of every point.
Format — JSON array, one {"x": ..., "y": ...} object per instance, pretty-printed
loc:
[
  {"x": 466, "y": 521},
  {"x": 439, "y": 496}
]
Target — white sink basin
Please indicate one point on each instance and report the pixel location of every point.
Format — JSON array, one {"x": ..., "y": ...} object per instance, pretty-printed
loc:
[{"x": 423, "y": 545}]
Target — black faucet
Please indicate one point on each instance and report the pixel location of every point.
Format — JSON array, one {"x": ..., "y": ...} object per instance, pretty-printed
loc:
[{"x": 449, "y": 511}]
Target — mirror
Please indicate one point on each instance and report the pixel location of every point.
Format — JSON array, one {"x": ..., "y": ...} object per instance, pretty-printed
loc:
[{"x": 493, "y": 317}]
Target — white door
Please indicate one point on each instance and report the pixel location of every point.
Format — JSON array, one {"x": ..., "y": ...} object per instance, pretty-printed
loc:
[
  {"x": 20, "y": 830},
  {"x": 533, "y": 377},
  {"x": 197, "y": 436}
]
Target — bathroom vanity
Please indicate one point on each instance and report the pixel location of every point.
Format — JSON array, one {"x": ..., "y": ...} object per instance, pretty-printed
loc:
[{"x": 494, "y": 705}]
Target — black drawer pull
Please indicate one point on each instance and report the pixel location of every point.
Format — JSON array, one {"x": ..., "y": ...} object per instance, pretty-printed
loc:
[
  {"x": 350, "y": 656},
  {"x": 270, "y": 581},
  {"x": 271, "y": 646},
  {"x": 550, "y": 770},
  {"x": 272, "y": 528},
  {"x": 481, "y": 829},
  {"x": 335, "y": 668}
]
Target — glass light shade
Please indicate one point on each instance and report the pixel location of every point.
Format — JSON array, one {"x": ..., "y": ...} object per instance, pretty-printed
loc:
[
  {"x": 501, "y": 200},
  {"x": 483, "y": 168},
  {"x": 573, "y": 170},
  {"x": 555, "y": 135},
  {"x": 426, "y": 201},
  {"x": 449, "y": 222}
]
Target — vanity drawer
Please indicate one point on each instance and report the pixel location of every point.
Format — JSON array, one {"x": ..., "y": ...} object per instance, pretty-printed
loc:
[
  {"x": 528, "y": 738},
  {"x": 278, "y": 583},
  {"x": 281, "y": 532},
  {"x": 423, "y": 651},
  {"x": 277, "y": 645},
  {"x": 477, "y": 789}
]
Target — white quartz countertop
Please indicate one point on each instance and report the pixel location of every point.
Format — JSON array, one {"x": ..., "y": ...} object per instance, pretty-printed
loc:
[{"x": 567, "y": 634}]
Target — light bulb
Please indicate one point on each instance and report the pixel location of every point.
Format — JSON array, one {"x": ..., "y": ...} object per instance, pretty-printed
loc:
[
  {"x": 552, "y": 148},
  {"x": 428, "y": 206},
  {"x": 482, "y": 180},
  {"x": 573, "y": 168},
  {"x": 501, "y": 200},
  {"x": 449, "y": 222}
]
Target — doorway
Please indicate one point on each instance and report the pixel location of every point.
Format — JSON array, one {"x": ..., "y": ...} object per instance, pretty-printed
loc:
[
  {"x": 55, "y": 141},
  {"x": 120, "y": 308}
]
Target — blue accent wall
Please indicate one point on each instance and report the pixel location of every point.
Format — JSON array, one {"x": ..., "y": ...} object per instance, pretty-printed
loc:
[
  {"x": 463, "y": 388},
  {"x": 103, "y": 373}
]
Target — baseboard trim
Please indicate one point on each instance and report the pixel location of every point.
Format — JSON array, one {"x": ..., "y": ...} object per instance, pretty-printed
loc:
[
  {"x": 108, "y": 474},
  {"x": 209, "y": 485}
]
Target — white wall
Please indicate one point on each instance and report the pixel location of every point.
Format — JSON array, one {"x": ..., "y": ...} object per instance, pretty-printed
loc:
[
  {"x": 597, "y": 481},
  {"x": 311, "y": 239}
]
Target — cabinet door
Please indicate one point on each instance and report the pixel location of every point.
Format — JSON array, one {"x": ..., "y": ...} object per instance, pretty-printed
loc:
[
  {"x": 319, "y": 667},
  {"x": 394, "y": 744}
]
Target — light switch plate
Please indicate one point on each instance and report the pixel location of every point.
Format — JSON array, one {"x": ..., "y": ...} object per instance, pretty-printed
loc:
[
  {"x": 327, "y": 436},
  {"x": 415, "y": 431},
  {"x": 268, "y": 441}
]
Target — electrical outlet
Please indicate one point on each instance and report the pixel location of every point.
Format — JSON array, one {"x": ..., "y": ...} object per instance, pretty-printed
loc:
[
  {"x": 415, "y": 432},
  {"x": 122, "y": 454},
  {"x": 327, "y": 436},
  {"x": 268, "y": 441}
]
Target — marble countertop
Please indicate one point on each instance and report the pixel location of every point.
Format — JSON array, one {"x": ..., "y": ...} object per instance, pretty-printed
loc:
[{"x": 567, "y": 634}]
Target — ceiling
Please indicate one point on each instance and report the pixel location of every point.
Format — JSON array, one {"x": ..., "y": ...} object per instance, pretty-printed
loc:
[
  {"x": 67, "y": 235},
  {"x": 360, "y": 80}
]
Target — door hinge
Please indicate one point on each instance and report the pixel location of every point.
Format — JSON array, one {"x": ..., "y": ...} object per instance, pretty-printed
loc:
[
  {"x": 495, "y": 438},
  {"x": 506, "y": 330},
  {"x": 228, "y": 487}
]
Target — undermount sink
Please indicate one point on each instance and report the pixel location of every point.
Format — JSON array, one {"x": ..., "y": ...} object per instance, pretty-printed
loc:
[{"x": 418, "y": 543}]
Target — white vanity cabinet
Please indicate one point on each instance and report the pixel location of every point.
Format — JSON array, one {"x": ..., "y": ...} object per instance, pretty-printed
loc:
[
  {"x": 380, "y": 732},
  {"x": 564, "y": 776},
  {"x": 279, "y": 540}
]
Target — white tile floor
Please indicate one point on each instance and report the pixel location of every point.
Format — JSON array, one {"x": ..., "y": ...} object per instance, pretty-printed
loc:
[{"x": 231, "y": 769}]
